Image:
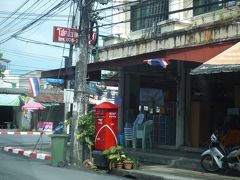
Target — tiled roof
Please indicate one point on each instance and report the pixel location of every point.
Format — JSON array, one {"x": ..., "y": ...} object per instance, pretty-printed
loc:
[{"x": 56, "y": 98}]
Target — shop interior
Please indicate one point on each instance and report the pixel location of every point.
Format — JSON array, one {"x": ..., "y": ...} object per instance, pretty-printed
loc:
[{"x": 213, "y": 99}]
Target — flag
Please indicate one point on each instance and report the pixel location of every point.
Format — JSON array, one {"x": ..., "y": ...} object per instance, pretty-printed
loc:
[
  {"x": 34, "y": 86},
  {"x": 156, "y": 62}
]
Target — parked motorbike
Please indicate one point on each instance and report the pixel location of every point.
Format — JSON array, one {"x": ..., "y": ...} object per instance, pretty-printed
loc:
[{"x": 217, "y": 157}]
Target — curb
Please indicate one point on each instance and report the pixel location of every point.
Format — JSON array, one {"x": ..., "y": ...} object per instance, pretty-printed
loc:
[
  {"x": 165, "y": 173},
  {"x": 24, "y": 133},
  {"x": 28, "y": 153},
  {"x": 169, "y": 160}
]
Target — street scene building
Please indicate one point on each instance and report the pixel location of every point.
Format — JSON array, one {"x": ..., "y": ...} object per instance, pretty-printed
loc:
[
  {"x": 185, "y": 107},
  {"x": 155, "y": 77}
]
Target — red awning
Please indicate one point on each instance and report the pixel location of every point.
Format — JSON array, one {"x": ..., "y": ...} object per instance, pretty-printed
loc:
[
  {"x": 199, "y": 53},
  {"x": 227, "y": 61}
]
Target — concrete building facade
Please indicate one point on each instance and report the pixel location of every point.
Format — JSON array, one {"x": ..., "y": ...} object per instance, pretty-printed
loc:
[{"x": 187, "y": 33}]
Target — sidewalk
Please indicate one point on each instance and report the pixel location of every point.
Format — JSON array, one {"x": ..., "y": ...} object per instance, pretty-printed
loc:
[
  {"x": 170, "y": 164},
  {"x": 171, "y": 157},
  {"x": 147, "y": 171},
  {"x": 161, "y": 172}
]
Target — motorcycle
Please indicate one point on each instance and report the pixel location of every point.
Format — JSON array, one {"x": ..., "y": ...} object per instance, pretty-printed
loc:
[{"x": 218, "y": 158}]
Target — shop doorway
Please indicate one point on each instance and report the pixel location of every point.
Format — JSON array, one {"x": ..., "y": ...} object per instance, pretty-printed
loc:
[{"x": 7, "y": 115}]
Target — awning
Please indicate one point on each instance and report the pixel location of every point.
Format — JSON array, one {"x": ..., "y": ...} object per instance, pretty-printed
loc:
[
  {"x": 191, "y": 54},
  {"x": 9, "y": 100},
  {"x": 50, "y": 104},
  {"x": 227, "y": 61}
]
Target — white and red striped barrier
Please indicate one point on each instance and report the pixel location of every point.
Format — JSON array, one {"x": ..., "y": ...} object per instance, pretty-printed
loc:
[
  {"x": 24, "y": 133},
  {"x": 28, "y": 153}
]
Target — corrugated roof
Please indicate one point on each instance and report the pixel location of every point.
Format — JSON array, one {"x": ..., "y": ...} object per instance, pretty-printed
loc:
[{"x": 49, "y": 98}]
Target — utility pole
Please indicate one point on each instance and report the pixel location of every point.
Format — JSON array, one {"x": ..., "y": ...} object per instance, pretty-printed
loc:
[
  {"x": 68, "y": 64},
  {"x": 76, "y": 148}
]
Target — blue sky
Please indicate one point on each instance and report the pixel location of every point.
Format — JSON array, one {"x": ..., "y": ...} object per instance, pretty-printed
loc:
[{"x": 27, "y": 56}]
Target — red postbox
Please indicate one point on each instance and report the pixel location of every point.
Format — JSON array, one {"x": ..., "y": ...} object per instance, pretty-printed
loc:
[{"x": 106, "y": 126}]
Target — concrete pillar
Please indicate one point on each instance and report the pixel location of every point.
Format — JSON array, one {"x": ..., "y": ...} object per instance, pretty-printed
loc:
[
  {"x": 180, "y": 105},
  {"x": 121, "y": 95},
  {"x": 132, "y": 92},
  {"x": 127, "y": 97},
  {"x": 188, "y": 107}
]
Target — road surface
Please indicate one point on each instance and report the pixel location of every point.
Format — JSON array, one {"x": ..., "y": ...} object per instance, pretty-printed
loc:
[
  {"x": 20, "y": 140},
  {"x": 15, "y": 167}
]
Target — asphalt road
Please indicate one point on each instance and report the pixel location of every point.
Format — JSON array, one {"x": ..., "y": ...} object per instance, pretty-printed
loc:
[
  {"x": 15, "y": 167},
  {"x": 20, "y": 140}
]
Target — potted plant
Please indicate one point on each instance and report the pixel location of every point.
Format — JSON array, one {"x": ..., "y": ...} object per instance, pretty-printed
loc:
[
  {"x": 128, "y": 163},
  {"x": 115, "y": 156}
]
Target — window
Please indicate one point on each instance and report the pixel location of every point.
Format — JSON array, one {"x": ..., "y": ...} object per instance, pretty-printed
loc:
[
  {"x": 205, "y": 6},
  {"x": 145, "y": 14}
]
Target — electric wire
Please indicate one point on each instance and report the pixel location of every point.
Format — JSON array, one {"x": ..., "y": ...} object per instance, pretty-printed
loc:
[
  {"x": 30, "y": 14},
  {"x": 48, "y": 13},
  {"x": 15, "y": 22},
  {"x": 158, "y": 14},
  {"x": 37, "y": 42},
  {"x": 33, "y": 55},
  {"x": 43, "y": 21},
  {"x": 13, "y": 13},
  {"x": 49, "y": 19},
  {"x": 43, "y": 18},
  {"x": 145, "y": 5}
]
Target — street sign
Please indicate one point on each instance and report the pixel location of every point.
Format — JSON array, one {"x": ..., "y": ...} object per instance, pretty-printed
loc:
[{"x": 65, "y": 35}]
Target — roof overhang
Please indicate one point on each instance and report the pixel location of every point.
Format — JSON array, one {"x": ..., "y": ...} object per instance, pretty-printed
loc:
[
  {"x": 198, "y": 54},
  {"x": 227, "y": 61},
  {"x": 9, "y": 100}
]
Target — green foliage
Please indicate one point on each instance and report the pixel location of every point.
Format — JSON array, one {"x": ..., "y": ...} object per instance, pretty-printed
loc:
[
  {"x": 87, "y": 129},
  {"x": 108, "y": 75},
  {"x": 68, "y": 122},
  {"x": 115, "y": 154}
]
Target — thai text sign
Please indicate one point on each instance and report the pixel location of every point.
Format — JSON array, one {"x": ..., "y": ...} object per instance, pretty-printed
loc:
[
  {"x": 65, "y": 35},
  {"x": 45, "y": 126}
]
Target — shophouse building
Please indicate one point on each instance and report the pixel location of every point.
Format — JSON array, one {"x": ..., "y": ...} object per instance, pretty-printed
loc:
[{"x": 185, "y": 109}]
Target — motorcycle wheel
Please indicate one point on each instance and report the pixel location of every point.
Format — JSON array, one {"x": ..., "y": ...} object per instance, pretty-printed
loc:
[{"x": 209, "y": 164}]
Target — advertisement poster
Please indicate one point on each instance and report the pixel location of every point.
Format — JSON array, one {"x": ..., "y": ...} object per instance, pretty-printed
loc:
[{"x": 45, "y": 126}]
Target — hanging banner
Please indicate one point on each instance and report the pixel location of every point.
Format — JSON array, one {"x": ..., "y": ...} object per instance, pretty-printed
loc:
[{"x": 65, "y": 35}]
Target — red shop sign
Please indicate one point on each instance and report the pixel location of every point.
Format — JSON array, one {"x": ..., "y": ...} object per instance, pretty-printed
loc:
[{"x": 65, "y": 35}]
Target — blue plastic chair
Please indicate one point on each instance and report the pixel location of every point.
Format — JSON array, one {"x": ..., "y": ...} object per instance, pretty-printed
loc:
[{"x": 144, "y": 134}]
